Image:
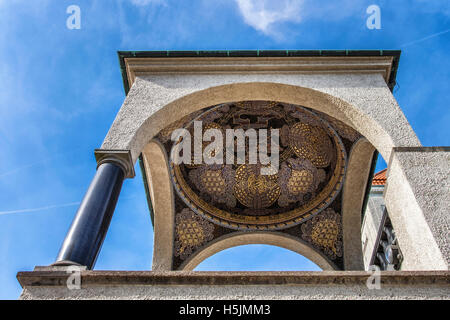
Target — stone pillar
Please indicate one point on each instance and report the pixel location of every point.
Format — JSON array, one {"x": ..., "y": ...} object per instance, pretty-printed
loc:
[
  {"x": 155, "y": 163},
  {"x": 417, "y": 198},
  {"x": 88, "y": 230}
]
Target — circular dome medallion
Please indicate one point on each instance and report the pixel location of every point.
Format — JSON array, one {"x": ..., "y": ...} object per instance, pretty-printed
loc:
[
  {"x": 236, "y": 195},
  {"x": 254, "y": 190}
]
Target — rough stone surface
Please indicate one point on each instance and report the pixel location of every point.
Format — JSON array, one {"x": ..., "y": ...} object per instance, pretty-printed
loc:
[
  {"x": 237, "y": 293},
  {"x": 417, "y": 196},
  {"x": 236, "y": 285}
]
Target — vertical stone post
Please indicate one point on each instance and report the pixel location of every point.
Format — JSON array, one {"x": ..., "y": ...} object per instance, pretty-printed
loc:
[{"x": 417, "y": 199}]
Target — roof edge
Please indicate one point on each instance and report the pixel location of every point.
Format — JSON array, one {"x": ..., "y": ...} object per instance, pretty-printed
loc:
[{"x": 259, "y": 53}]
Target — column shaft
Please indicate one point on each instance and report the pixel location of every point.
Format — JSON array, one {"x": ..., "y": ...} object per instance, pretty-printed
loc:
[{"x": 88, "y": 230}]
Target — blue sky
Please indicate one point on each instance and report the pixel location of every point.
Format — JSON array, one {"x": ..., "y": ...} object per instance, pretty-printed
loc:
[{"x": 60, "y": 90}]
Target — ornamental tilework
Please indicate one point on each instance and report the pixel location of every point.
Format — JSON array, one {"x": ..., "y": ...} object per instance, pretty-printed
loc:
[
  {"x": 324, "y": 232},
  {"x": 237, "y": 196},
  {"x": 191, "y": 232}
]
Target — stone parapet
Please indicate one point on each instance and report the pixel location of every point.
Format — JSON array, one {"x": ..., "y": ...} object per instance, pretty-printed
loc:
[{"x": 234, "y": 285}]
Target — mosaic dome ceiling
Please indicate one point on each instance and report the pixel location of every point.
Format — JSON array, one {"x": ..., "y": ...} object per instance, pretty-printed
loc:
[{"x": 312, "y": 161}]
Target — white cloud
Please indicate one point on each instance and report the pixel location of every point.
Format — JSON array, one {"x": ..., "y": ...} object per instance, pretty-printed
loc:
[{"x": 263, "y": 14}]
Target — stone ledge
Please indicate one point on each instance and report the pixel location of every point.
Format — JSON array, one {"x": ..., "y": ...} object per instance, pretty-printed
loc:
[
  {"x": 422, "y": 149},
  {"x": 148, "y": 278}
]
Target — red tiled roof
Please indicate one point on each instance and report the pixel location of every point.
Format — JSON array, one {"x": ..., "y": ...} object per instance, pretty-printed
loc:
[{"x": 379, "y": 178}]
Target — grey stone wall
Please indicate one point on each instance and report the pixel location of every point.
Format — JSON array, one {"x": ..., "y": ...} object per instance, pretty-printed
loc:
[{"x": 417, "y": 197}]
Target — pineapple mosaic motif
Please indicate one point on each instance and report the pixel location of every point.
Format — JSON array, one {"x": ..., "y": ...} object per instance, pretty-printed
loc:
[
  {"x": 299, "y": 180},
  {"x": 213, "y": 181},
  {"x": 311, "y": 143},
  {"x": 191, "y": 232},
  {"x": 324, "y": 232},
  {"x": 216, "y": 182}
]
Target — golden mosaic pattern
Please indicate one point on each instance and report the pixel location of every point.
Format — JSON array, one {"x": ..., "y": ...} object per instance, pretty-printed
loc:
[
  {"x": 254, "y": 190},
  {"x": 216, "y": 182},
  {"x": 237, "y": 196},
  {"x": 213, "y": 181},
  {"x": 300, "y": 181},
  {"x": 298, "y": 178},
  {"x": 191, "y": 232},
  {"x": 211, "y": 154},
  {"x": 312, "y": 143},
  {"x": 256, "y": 104},
  {"x": 324, "y": 231}
]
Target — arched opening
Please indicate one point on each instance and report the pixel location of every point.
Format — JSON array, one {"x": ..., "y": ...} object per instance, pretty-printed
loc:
[
  {"x": 257, "y": 257},
  {"x": 357, "y": 114},
  {"x": 276, "y": 239},
  {"x": 359, "y": 163}
]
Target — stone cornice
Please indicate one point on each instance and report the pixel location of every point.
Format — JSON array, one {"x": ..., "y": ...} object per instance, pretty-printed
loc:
[
  {"x": 97, "y": 278},
  {"x": 287, "y": 65},
  {"x": 142, "y": 63}
]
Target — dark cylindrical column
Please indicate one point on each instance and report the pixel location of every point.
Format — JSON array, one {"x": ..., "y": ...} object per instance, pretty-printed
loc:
[{"x": 88, "y": 230}]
